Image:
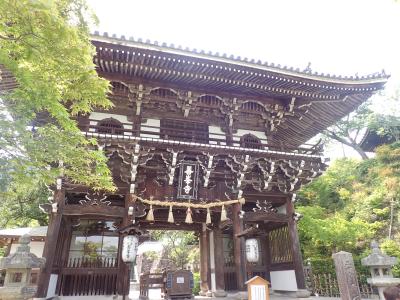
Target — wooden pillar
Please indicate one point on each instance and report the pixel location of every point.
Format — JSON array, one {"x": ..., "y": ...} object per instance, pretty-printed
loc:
[
  {"x": 238, "y": 247},
  {"x": 267, "y": 258},
  {"x": 49, "y": 250},
  {"x": 204, "y": 258},
  {"x": 219, "y": 263},
  {"x": 294, "y": 237},
  {"x": 123, "y": 269}
]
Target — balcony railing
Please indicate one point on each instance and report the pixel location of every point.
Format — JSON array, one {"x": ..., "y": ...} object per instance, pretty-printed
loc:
[{"x": 212, "y": 138}]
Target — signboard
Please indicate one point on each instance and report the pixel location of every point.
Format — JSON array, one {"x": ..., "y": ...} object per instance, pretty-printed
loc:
[
  {"x": 129, "y": 248},
  {"x": 188, "y": 180},
  {"x": 180, "y": 279}
]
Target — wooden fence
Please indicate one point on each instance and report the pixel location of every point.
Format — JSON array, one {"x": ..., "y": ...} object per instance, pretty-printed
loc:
[{"x": 326, "y": 285}]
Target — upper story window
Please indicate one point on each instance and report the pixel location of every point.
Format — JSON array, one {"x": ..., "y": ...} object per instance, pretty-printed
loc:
[
  {"x": 250, "y": 141},
  {"x": 110, "y": 126},
  {"x": 164, "y": 93},
  {"x": 184, "y": 130}
]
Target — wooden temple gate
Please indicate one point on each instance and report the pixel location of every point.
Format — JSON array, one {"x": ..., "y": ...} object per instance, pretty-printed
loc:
[{"x": 195, "y": 142}]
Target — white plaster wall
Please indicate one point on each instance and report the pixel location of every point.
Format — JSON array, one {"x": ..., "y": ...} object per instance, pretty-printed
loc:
[
  {"x": 36, "y": 248},
  {"x": 215, "y": 132},
  {"x": 150, "y": 122},
  {"x": 283, "y": 280},
  {"x": 241, "y": 132},
  {"x": 98, "y": 116},
  {"x": 282, "y": 209}
]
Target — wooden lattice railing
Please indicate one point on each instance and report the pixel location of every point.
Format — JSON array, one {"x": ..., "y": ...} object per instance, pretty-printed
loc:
[{"x": 87, "y": 282}]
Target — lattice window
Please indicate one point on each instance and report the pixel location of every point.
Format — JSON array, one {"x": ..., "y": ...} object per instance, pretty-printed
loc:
[
  {"x": 164, "y": 93},
  {"x": 250, "y": 141},
  {"x": 253, "y": 106},
  {"x": 111, "y": 126},
  {"x": 184, "y": 130},
  {"x": 280, "y": 246},
  {"x": 210, "y": 100}
]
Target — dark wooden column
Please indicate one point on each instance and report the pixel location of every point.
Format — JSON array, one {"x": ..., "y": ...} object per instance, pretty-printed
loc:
[
  {"x": 204, "y": 258},
  {"x": 238, "y": 247},
  {"x": 49, "y": 250},
  {"x": 219, "y": 260},
  {"x": 294, "y": 237},
  {"x": 123, "y": 269},
  {"x": 267, "y": 257}
]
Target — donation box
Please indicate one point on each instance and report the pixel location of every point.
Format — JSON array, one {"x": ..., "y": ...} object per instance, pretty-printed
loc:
[{"x": 179, "y": 284}]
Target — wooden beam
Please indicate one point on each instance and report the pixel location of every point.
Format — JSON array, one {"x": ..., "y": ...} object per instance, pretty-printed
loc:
[
  {"x": 264, "y": 216},
  {"x": 94, "y": 210},
  {"x": 160, "y": 225}
]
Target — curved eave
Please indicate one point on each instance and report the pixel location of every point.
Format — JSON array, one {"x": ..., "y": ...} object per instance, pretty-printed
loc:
[{"x": 285, "y": 71}]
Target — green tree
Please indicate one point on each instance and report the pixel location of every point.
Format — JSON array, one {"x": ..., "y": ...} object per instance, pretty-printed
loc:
[
  {"x": 46, "y": 46},
  {"x": 181, "y": 246},
  {"x": 352, "y": 203},
  {"x": 19, "y": 206},
  {"x": 349, "y": 130}
]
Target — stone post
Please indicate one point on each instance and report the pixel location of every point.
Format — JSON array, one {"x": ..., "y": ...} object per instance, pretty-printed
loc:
[{"x": 346, "y": 276}]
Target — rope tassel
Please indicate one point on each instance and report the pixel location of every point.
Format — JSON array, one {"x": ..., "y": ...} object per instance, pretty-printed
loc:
[
  {"x": 189, "y": 216},
  {"x": 170, "y": 215},
  {"x": 208, "y": 218},
  {"x": 223, "y": 214},
  {"x": 150, "y": 214}
]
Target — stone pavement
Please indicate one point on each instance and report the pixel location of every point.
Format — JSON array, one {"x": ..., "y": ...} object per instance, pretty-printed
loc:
[{"x": 155, "y": 294}]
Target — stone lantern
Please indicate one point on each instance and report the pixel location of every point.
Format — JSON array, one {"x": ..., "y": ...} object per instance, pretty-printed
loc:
[
  {"x": 381, "y": 269},
  {"x": 18, "y": 266}
]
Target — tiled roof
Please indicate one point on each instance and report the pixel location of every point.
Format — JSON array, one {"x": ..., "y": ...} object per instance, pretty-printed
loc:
[
  {"x": 32, "y": 231},
  {"x": 284, "y": 69}
]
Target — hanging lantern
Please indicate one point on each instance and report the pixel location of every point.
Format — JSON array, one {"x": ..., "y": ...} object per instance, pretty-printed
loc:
[
  {"x": 129, "y": 248},
  {"x": 252, "y": 252}
]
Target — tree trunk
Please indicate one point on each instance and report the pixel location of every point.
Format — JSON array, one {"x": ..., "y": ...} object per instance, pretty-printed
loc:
[{"x": 391, "y": 219}]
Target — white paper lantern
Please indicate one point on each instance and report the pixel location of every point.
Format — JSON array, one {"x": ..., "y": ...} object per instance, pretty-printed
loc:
[
  {"x": 252, "y": 252},
  {"x": 129, "y": 248}
]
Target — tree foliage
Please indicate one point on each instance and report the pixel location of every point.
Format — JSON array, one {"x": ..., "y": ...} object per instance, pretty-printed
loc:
[
  {"x": 351, "y": 204},
  {"x": 46, "y": 46},
  {"x": 349, "y": 130},
  {"x": 19, "y": 205},
  {"x": 181, "y": 247}
]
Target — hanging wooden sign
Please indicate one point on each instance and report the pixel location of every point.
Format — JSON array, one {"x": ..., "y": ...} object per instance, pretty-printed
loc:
[{"x": 188, "y": 181}]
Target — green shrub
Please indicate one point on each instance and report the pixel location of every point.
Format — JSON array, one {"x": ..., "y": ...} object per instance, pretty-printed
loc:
[{"x": 196, "y": 279}]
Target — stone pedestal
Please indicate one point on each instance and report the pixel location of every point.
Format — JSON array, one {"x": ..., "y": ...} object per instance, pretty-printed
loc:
[
  {"x": 219, "y": 293},
  {"x": 18, "y": 266},
  {"x": 346, "y": 276}
]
